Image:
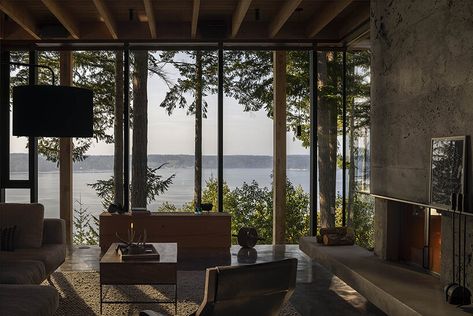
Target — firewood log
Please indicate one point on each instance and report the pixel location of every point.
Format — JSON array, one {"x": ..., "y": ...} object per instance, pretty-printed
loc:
[
  {"x": 337, "y": 230},
  {"x": 338, "y": 240}
]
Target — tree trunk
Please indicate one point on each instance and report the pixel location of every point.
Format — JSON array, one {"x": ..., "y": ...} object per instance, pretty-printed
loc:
[
  {"x": 118, "y": 130},
  {"x": 198, "y": 132},
  {"x": 327, "y": 137},
  {"x": 351, "y": 170},
  {"x": 140, "y": 130},
  {"x": 365, "y": 159}
]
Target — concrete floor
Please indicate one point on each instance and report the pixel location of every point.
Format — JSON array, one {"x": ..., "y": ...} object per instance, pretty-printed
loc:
[{"x": 317, "y": 292}]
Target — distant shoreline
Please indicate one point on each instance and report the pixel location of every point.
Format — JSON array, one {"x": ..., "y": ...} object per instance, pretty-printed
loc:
[
  {"x": 111, "y": 171},
  {"x": 104, "y": 163}
]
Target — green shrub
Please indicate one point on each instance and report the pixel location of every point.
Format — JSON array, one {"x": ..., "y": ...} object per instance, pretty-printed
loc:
[{"x": 252, "y": 206}]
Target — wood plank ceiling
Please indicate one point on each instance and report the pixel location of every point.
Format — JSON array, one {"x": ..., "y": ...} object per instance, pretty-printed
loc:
[{"x": 325, "y": 22}]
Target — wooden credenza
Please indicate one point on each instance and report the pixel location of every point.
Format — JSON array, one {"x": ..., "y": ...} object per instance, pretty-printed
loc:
[{"x": 207, "y": 234}]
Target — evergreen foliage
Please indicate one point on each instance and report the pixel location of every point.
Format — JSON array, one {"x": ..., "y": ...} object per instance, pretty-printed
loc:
[
  {"x": 155, "y": 185},
  {"x": 85, "y": 232},
  {"x": 252, "y": 206},
  {"x": 186, "y": 85}
]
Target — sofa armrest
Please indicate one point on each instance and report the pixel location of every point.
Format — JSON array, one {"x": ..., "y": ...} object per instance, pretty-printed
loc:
[{"x": 54, "y": 231}]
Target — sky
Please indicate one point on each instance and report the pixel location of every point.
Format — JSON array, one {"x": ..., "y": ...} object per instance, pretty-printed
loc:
[{"x": 245, "y": 133}]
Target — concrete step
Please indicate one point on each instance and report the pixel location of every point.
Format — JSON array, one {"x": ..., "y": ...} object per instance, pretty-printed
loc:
[{"x": 395, "y": 289}]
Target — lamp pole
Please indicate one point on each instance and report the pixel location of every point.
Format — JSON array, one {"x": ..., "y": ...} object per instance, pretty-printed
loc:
[{"x": 33, "y": 141}]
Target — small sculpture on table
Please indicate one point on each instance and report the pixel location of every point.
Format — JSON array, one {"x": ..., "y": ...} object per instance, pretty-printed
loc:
[
  {"x": 139, "y": 250},
  {"x": 247, "y": 239}
]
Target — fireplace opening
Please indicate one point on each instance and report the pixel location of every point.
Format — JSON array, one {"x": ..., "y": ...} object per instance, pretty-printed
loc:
[
  {"x": 420, "y": 237},
  {"x": 435, "y": 237}
]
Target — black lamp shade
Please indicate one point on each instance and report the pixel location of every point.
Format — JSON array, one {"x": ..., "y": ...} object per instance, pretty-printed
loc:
[{"x": 52, "y": 111}]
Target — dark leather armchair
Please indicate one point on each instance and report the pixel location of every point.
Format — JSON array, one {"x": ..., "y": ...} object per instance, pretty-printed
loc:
[{"x": 258, "y": 289}]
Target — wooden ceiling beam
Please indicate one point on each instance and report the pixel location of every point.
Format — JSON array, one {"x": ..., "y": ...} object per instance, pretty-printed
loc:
[
  {"x": 18, "y": 14},
  {"x": 283, "y": 15},
  {"x": 63, "y": 16},
  {"x": 239, "y": 15},
  {"x": 354, "y": 40},
  {"x": 107, "y": 18},
  {"x": 195, "y": 18},
  {"x": 325, "y": 16},
  {"x": 354, "y": 21},
  {"x": 151, "y": 17}
]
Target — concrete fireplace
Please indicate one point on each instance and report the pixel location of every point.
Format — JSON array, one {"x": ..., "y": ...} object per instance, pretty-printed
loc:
[{"x": 422, "y": 87}]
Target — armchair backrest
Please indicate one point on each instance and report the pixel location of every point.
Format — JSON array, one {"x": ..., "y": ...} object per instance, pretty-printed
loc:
[{"x": 257, "y": 289}]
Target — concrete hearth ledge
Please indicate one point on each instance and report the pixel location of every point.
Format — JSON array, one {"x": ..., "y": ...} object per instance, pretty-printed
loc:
[{"x": 395, "y": 289}]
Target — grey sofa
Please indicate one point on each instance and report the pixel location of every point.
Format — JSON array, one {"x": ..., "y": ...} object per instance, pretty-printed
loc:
[{"x": 40, "y": 248}]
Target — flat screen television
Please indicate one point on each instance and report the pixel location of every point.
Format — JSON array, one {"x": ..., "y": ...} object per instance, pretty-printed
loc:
[
  {"x": 447, "y": 169},
  {"x": 52, "y": 111}
]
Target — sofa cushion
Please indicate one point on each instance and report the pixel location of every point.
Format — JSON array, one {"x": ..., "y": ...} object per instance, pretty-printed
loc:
[
  {"x": 25, "y": 300},
  {"x": 54, "y": 231},
  {"x": 52, "y": 255},
  {"x": 22, "y": 272},
  {"x": 28, "y": 219},
  {"x": 7, "y": 238}
]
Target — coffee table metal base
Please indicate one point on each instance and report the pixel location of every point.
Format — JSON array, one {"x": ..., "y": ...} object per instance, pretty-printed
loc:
[
  {"x": 114, "y": 271},
  {"x": 102, "y": 301}
]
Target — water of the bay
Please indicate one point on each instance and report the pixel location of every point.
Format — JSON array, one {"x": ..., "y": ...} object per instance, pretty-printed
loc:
[{"x": 180, "y": 192}]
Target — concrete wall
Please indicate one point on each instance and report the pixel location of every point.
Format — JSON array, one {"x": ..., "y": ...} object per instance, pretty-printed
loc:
[{"x": 422, "y": 87}]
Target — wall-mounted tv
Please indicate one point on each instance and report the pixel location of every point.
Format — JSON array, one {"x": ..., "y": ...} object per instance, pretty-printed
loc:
[
  {"x": 447, "y": 169},
  {"x": 52, "y": 111}
]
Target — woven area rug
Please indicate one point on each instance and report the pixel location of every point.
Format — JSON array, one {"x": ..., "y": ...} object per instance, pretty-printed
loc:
[{"x": 80, "y": 295}]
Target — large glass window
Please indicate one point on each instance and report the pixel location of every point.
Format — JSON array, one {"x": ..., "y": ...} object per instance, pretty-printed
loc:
[
  {"x": 18, "y": 145},
  {"x": 93, "y": 157},
  {"x": 329, "y": 115},
  {"x": 165, "y": 87},
  {"x": 248, "y": 141},
  {"x": 181, "y": 116},
  {"x": 48, "y": 178},
  {"x": 171, "y": 131},
  {"x": 297, "y": 146},
  {"x": 360, "y": 205}
]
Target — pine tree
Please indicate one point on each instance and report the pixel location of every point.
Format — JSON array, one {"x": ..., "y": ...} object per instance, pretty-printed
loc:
[{"x": 81, "y": 224}]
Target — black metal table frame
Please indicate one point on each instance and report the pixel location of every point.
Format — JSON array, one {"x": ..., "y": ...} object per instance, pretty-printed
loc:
[{"x": 138, "y": 302}]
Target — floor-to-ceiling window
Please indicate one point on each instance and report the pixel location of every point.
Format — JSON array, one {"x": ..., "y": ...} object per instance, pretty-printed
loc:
[
  {"x": 18, "y": 145},
  {"x": 171, "y": 92},
  {"x": 248, "y": 140},
  {"x": 343, "y": 112},
  {"x": 48, "y": 178},
  {"x": 359, "y": 204},
  {"x": 93, "y": 159}
]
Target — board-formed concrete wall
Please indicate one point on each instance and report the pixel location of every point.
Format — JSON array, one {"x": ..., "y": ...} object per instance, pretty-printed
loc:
[{"x": 421, "y": 87}]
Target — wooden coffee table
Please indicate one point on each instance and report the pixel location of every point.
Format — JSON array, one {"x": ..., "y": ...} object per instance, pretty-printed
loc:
[{"x": 114, "y": 271}]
